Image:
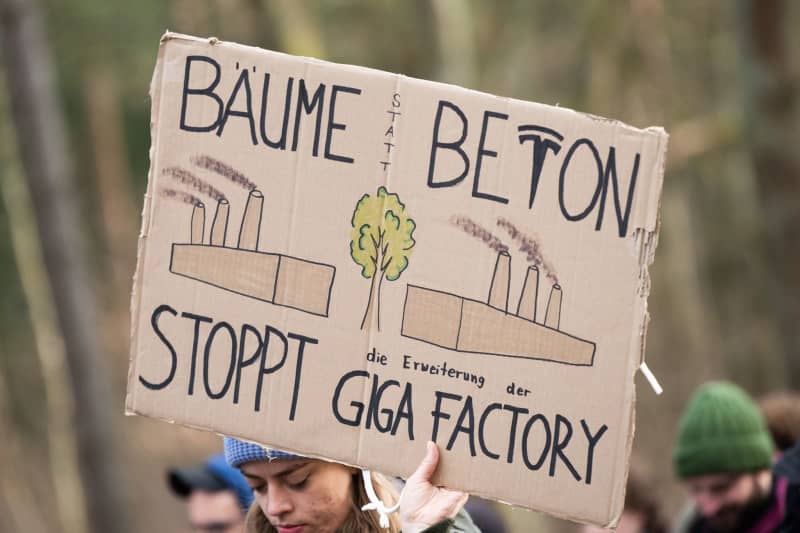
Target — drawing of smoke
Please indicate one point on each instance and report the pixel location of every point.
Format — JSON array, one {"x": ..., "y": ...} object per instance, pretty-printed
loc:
[
  {"x": 180, "y": 196},
  {"x": 193, "y": 182},
  {"x": 470, "y": 227},
  {"x": 209, "y": 163},
  {"x": 530, "y": 246},
  {"x": 198, "y": 213}
]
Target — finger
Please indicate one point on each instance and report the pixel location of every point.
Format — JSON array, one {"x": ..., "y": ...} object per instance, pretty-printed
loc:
[
  {"x": 462, "y": 498},
  {"x": 428, "y": 465}
]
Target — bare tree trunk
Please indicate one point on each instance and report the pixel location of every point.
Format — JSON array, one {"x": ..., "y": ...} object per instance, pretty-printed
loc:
[
  {"x": 41, "y": 137},
  {"x": 771, "y": 112},
  {"x": 69, "y": 500}
]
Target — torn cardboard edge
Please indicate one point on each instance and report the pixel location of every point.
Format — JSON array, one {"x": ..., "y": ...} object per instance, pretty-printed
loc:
[{"x": 141, "y": 247}]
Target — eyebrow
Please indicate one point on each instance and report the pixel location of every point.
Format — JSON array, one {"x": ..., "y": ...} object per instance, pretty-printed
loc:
[{"x": 282, "y": 473}]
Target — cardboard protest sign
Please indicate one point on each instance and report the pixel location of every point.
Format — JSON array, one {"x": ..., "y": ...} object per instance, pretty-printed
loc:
[{"x": 346, "y": 263}]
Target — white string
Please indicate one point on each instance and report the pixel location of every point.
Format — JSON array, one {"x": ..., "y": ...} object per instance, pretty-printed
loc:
[
  {"x": 375, "y": 503},
  {"x": 651, "y": 378}
]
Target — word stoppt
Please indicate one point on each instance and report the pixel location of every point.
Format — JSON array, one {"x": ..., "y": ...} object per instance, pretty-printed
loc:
[{"x": 244, "y": 352}]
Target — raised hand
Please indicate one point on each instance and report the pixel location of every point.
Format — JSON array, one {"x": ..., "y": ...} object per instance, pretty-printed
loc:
[{"x": 423, "y": 504}]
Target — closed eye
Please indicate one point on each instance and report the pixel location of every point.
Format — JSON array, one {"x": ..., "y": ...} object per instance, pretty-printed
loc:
[
  {"x": 256, "y": 484},
  {"x": 297, "y": 484}
]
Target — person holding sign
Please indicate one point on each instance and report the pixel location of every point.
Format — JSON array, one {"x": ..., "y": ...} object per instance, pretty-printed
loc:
[
  {"x": 724, "y": 456},
  {"x": 295, "y": 494}
]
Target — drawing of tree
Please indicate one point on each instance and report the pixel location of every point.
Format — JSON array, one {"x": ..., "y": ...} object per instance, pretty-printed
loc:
[{"x": 380, "y": 243}]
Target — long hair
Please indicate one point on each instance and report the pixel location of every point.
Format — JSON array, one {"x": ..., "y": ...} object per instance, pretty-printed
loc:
[{"x": 357, "y": 521}]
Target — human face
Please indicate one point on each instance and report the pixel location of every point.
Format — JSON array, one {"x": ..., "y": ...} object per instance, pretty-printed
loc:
[
  {"x": 724, "y": 498},
  {"x": 214, "y": 512},
  {"x": 301, "y": 495}
]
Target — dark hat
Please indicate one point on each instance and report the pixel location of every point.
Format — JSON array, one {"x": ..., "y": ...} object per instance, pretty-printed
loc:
[
  {"x": 184, "y": 481},
  {"x": 212, "y": 476}
]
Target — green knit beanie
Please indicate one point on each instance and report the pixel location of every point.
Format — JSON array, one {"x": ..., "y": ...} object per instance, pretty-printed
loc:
[{"x": 721, "y": 431}]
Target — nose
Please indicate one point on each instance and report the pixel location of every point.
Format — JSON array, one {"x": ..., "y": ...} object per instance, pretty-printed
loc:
[
  {"x": 278, "y": 501},
  {"x": 708, "y": 504}
]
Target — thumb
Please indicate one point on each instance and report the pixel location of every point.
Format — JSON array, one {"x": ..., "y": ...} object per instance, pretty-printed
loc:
[
  {"x": 455, "y": 500},
  {"x": 429, "y": 463}
]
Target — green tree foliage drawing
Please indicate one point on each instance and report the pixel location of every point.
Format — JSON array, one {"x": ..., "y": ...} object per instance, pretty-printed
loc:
[{"x": 380, "y": 242}]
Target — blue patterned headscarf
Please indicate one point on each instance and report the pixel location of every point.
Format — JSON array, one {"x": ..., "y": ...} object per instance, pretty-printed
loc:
[{"x": 238, "y": 452}]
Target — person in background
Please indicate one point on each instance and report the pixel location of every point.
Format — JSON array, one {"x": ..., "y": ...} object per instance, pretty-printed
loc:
[
  {"x": 216, "y": 495},
  {"x": 723, "y": 455},
  {"x": 485, "y": 515},
  {"x": 295, "y": 494},
  {"x": 641, "y": 513},
  {"x": 782, "y": 413}
]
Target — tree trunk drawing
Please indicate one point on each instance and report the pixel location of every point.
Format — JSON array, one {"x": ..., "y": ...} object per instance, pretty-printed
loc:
[
  {"x": 372, "y": 303},
  {"x": 39, "y": 125}
]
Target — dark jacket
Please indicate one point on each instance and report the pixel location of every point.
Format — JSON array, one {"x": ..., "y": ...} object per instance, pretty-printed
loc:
[
  {"x": 461, "y": 523},
  {"x": 789, "y": 468}
]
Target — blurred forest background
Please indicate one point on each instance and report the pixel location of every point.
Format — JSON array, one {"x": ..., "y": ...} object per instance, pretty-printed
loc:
[{"x": 720, "y": 76}]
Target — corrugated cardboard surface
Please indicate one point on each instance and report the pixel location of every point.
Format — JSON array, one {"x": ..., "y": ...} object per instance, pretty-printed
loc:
[{"x": 518, "y": 417}]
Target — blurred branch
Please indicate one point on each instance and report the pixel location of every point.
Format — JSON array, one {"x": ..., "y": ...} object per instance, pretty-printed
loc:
[
  {"x": 118, "y": 212},
  {"x": 266, "y": 29},
  {"x": 701, "y": 135},
  {"x": 69, "y": 497},
  {"x": 191, "y": 16},
  {"x": 118, "y": 215},
  {"x": 690, "y": 306},
  {"x": 41, "y": 138},
  {"x": 650, "y": 36},
  {"x": 456, "y": 36}
]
